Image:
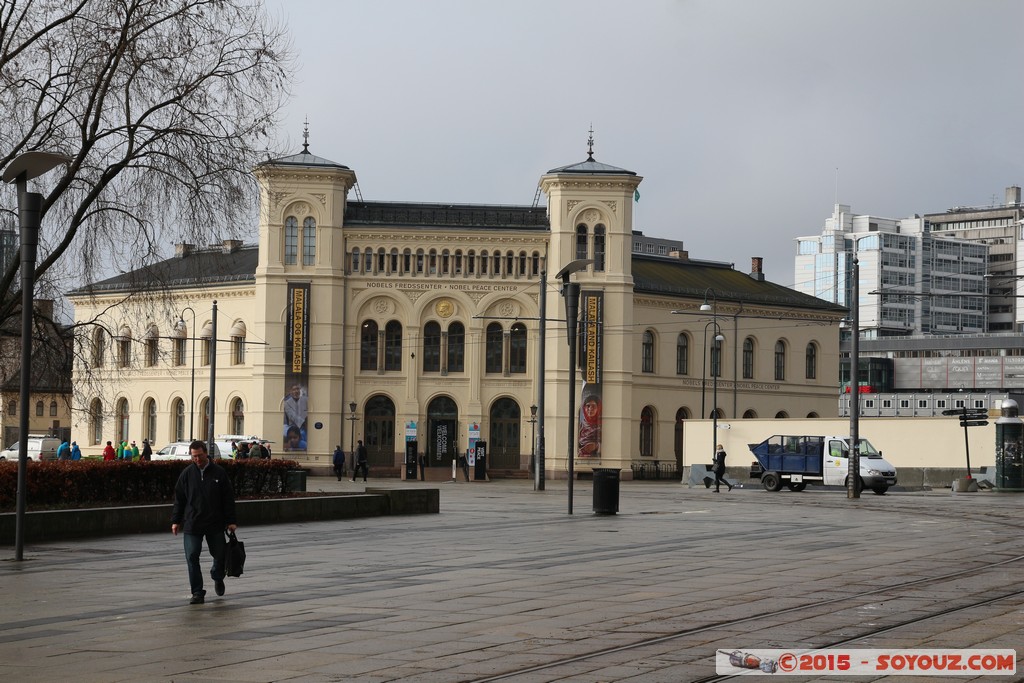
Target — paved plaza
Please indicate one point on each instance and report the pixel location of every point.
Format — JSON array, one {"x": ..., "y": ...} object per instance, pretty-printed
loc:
[{"x": 504, "y": 585}]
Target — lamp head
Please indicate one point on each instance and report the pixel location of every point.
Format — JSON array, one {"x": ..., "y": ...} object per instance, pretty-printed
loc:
[
  {"x": 533, "y": 410},
  {"x": 705, "y": 306},
  {"x": 352, "y": 406}
]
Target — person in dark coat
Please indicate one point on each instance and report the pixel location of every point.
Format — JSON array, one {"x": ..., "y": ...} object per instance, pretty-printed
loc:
[
  {"x": 339, "y": 462},
  {"x": 719, "y": 468},
  {"x": 204, "y": 507},
  {"x": 362, "y": 462},
  {"x": 147, "y": 451}
]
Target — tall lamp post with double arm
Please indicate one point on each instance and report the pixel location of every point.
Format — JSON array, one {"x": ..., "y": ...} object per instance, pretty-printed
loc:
[
  {"x": 716, "y": 361},
  {"x": 352, "y": 433},
  {"x": 192, "y": 395}
]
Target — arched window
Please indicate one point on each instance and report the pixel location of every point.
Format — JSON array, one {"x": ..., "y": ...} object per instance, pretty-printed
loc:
[
  {"x": 682, "y": 354},
  {"x": 446, "y": 262},
  {"x": 206, "y": 354},
  {"x": 406, "y": 261},
  {"x": 124, "y": 348},
  {"x": 456, "y": 347},
  {"x": 811, "y": 371},
  {"x": 382, "y": 261},
  {"x": 355, "y": 260},
  {"x": 781, "y": 415},
  {"x": 780, "y": 361},
  {"x": 53, "y": 409},
  {"x": 535, "y": 264},
  {"x": 291, "y": 241},
  {"x": 308, "y": 245},
  {"x": 368, "y": 261},
  {"x": 581, "y": 241},
  {"x": 238, "y": 345},
  {"x": 522, "y": 264},
  {"x": 149, "y": 412},
  {"x": 152, "y": 345},
  {"x": 510, "y": 264},
  {"x": 813, "y": 415},
  {"x": 99, "y": 347},
  {"x": 471, "y": 262},
  {"x": 517, "y": 349},
  {"x": 496, "y": 266},
  {"x": 750, "y": 415},
  {"x": 716, "y": 356},
  {"x": 204, "y": 412},
  {"x": 96, "y": 421},
  {"x": 432, "y": 347},
  {"x": 393, "y": 345},
  {"x": 647, "y": 352},
  {"x": 647, "y": 431},
  {"x": 368, "y": 346},
  {"x": 12, "y": 408},
  {"x": 598, "y": 248},
  {"x": 237, "y": 417},
  {"x": 748, "y": 358},
  {"x": 492, "y": 353},
  {"x": 123, "y": 421},
  {"x": 484, "y": 260},
  {"x": 432, "y": 262},
  {"x": 39, "y": 408},
  {"x": 178, "y": 413}
]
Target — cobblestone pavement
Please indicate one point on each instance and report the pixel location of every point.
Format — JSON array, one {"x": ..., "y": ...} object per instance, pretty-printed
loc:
[{"x": 505, "y": 585}]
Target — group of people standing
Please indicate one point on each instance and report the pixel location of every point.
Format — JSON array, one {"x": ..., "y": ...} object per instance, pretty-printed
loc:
[
  {"x": 70, "y": 451},
  {"x": 361, "y": 461},
  {"x": 244, "y": 450},
  {"x": 128, "y": 452}
]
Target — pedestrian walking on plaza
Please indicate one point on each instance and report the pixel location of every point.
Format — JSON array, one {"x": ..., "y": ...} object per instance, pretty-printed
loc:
[
  {"x": 204, "y": 507},
  {"x": 362, "y": 462},
  {"x": 109, "y": 453},
  {"x": 339, "y": 462},
  {"x": 147, "y": 451},
  {"x": 719, "y": 468},
  {"x": 63, "y": 451},
  {"x": 76, "y": 452}
]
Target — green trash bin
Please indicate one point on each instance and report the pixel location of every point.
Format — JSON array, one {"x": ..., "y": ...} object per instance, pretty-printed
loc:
[
  {"x": 296, "y": 480},
  {"x": 606, "y": 491}
]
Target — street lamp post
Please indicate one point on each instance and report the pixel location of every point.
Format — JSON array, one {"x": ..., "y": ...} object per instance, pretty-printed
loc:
[
  {"x": 533, "y": 437},
  {"x": 192, "y": 395},
  {"x": 853, "y": 473},
  {"x": 23, "y": 168},
  {"x": 571, "y": 292},
  {"x": 716, "y": 361},
  {"x": 213, "y": 378},
  {"x": 352, "y": 433},
  {"x": 538, "y": 473}
]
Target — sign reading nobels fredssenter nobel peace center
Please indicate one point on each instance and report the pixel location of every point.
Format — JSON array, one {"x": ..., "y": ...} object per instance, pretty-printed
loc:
[{"x": 349, "y": 320}]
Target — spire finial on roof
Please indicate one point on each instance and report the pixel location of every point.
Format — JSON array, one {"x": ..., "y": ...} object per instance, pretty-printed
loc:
[
  {"x": 305, "y": 137},
  {"x": 590, "y": 144}
]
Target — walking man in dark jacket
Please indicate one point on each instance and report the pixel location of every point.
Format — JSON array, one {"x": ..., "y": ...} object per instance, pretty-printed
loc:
[
  {"x": 362, "y": 462},
  {"x": 339, "y": 462},
  {"x": 204, "y": 506},
  {"x": 719, "y": 468}
]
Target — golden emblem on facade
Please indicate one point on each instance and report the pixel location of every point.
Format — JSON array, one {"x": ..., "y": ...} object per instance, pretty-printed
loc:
[{"x": 444, "y": 308}]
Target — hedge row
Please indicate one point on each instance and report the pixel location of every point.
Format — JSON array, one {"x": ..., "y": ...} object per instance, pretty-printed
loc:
[{"x": 84, "y": 483}]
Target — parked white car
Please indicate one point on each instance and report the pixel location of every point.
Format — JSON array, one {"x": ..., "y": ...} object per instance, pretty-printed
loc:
[
  {"x": 40, "y": 447},
  {"x": 179, "y": 451}
]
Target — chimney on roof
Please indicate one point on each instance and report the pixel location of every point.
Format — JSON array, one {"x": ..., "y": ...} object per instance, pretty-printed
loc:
[
  {"x": 183, "y": 249},
  {"x": 230, "y": 246},
  {"x": 680, "y": 254},
  {"x": 756, "y": 262},
  {"x": 1013, "y": 195}
]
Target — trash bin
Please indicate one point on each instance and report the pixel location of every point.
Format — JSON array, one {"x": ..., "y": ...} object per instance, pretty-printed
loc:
[
  {"x": 296, "y": 480},
  {"x": 606, "y": 491}
]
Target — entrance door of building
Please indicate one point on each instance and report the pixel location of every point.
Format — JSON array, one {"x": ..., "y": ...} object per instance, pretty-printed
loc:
[
  {"x": 379, "y": 432},
  {"x": 503, "y": 444},
  {"x": 442, "y": 445}
]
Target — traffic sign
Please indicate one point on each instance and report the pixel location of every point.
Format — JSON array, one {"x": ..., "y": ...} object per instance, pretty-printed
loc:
[
  {"x": 968, "y": 413},
  {"x": 973, "y": 423}
]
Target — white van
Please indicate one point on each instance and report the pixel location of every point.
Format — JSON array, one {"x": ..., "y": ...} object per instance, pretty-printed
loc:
[
  {"x": 179, "y": 450},
  {"x": 40, "y": 447}
]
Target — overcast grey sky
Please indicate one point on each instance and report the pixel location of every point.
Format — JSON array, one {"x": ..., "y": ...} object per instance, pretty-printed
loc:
[{"x": 737, "y": 113}]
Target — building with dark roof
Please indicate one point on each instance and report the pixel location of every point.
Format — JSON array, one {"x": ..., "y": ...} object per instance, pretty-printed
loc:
[{"x": 392, "y": 322}]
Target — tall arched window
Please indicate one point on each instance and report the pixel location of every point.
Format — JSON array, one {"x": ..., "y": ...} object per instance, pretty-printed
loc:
[
  {"x": 581, "y": 241},
  {"x": 647, "y": 352},
  {"x": 432, "y": 347},
  {"x": 96, "y": 421},
  {"x": 368, "y": 346},
  {"x": 682, "y": 354},
  {"x": 748, "y": 358},
  {"x": 204, "y": 412},
  {"x": 750, "y": 415},
  {"x": 178, "y": 413},
  {"x": 99, "y": 347},
  {"x": 647, "y": 431},
  {"x": 456, "y": 347},
  {"x": 123, "y": 421},
  {"x": 149, "y": 412},
  {"x": 237, "y": 417},
  {"x": 355, "y": 260},
  {"x": 308, "y": 245},
  {"x": 780, "y": 361},
  {"x": 53, "y": 409},
  {"x": 811, "y": 371},
  {"x": 152, "y": 345},
  {"x": 393, "y": 345},
  {"x": 12, "y": 408},
  {"x": 716, "y": 357},
  {"x": 39, "y": 408},
  {"x": 124, "y": 348},
  {"x": 291, "y": 241},
  {"x": 238, "y": 345},
  {"x": 598, "y": 248},
  {"x": 517, "y": 349},
  {"x": 492, "y": 353}
]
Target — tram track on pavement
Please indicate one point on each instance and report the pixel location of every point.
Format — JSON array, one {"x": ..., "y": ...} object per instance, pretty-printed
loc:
[{"x": 815, "y": 606}]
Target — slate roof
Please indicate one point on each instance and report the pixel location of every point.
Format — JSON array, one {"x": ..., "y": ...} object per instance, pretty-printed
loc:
[
  {"x": 671, "y": 277},
  {"x": 591, "y": 167},
  {"x": 304, "y": 158},
  {"x": 199, "y": 268}
]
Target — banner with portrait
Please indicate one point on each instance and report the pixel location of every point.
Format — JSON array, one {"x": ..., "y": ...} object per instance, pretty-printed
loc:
[
  {"x": 296, "y": 376},
  {"x": 591, "y": 398}
]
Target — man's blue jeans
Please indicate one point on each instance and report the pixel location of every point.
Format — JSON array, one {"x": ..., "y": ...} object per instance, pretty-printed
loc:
[{"x": 193, "y": 547}]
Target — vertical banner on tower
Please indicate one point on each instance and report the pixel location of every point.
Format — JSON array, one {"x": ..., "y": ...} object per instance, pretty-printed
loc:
[
  {"x": 591, "y": 400},
  {"x": 296, "y": 375}
]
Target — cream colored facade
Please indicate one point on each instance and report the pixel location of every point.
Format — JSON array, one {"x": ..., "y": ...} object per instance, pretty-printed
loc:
[{"x": 428, "y": 315}]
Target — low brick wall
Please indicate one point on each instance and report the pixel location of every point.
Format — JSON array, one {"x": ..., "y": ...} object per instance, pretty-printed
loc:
[{"x": 50, "y": 525}]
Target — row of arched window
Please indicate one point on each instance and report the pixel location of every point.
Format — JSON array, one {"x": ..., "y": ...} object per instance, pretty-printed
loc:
[
  {"x": 444, "y": 348},
  {"x": 12, "y": 408},
  {"x": 381, "y": 261},
  {"x": 648, "y": 421},
  {"x": 683, "y": 343},
  {"x": 148, "y": 427},
  {"x": 123, "y": 346}
]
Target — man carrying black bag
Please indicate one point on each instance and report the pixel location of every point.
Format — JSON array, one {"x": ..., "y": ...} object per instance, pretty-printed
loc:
[{"x": 204, "y": 506}]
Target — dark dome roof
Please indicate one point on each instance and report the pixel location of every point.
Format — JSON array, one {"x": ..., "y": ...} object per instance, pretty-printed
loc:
[
  {"x": 304, "y": 158},
  {"x": 592, "y": 167}
]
